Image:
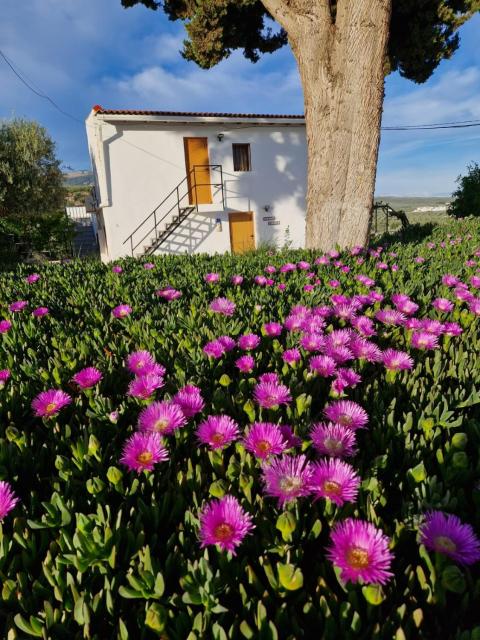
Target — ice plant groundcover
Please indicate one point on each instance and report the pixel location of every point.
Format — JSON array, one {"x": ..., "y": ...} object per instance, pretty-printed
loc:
[{"x": 276, "y": 445}]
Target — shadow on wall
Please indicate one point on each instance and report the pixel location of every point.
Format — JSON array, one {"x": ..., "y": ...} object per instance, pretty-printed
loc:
[{"x": 190, "y": 235}]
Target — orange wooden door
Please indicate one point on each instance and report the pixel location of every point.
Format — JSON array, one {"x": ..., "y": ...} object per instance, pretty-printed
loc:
[
  {"x": 198, "y": 174},
  {"x": 242, "y": 236}
]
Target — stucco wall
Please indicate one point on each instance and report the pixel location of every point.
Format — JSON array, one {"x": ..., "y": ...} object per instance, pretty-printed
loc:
[{"x": 143, "y": 162}]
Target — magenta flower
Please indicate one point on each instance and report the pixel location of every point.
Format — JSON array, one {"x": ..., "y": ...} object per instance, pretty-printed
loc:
[
  {"x": 19, "y": 305},
  {"x": 406, "y": 306},
  {"x": 449, "y": 280},
  {"x": 271, "y": 378},
  {"x": 117, "y": 269},
  {"x": 49, "y": 403},
  {"x": 347, "y": 413},
  {"x": 121, "y": 311},
  {"x": 148, "y": 266},
  {"x": 32, "y": 278},
  {"x": 168, "y": 293},
  {"x": 39, "y": 312},
  {"x": 360, "y": 551},
  {"x": 287, "y": 478},
  {"x": 324, "y": 366},
  {"x": 424, "y": 340},
  {"x": 8, "y": 499},
  {"x": 289, "y": 266},
  {"x": 364, "y": 326},
  {"x": 142, "y": 451},
  {"x": 224, "y": 306},
  {"x": 334, "y": 479},
  {"x": 270, "y": 395},
  {"x": 339, "y": 354},
  {"x": 217, "y": 431},
  {"x": 270, "y": 269},
  {"x": 210, "y": 278},
  {"x": 225, "y": 523},
  {"x": 475, "y": 281},
  {"x": 265, "y": 439},
  {"x": 474, "y": 306},
  {"x": 144, "y": 386},
  {"x": 113, "y": 417},
  {"x": 140, "y": 363},
  {"x": 365, "y": 350},
  {"x": 304, "y": 266},
  {"x": 5, "y": 325},
  {"x": 214, "y": 349},
  {"x": 452, "y": 329},
  {"x": 290, "y": 438},
  {"x": 236, "y": 280},
  {"x": 4, "y": 376},
  {"x": 245, "y": 364},
  {"x": 312, "y": 342},
  {"x": 227, "y": 342},
  {"x": 190, "y": 400},
  {"x": 443, "y": 304},
  {"x": 397, "y": 360},
  {"x": 161, "y": 417},
  {"x": 260, "y": 280},
  {"x": 446, "y": 534},
  {"x": 291, "y": 356},
  {"x": 347, "y": 378},
  {"x": 390, "y": 317},
  {"x": 87, "y": 377},
  {"x": 334, "y": 440},
  {"x": 248, "y": 342}
]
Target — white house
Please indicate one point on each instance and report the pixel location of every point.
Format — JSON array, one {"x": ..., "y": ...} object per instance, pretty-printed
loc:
[{"x": 168, "y": 182}]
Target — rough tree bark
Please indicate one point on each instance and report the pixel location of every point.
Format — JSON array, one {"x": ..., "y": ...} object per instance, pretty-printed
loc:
[{"x": 340, "y": 48}]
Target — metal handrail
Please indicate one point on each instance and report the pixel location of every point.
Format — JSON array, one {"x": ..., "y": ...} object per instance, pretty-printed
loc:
[{"x": 179, "y": 199}]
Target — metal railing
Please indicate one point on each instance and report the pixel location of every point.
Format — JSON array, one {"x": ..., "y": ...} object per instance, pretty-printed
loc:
[
  {"x": 389, "y": 212},
  {"x": 191, "y": 194}
]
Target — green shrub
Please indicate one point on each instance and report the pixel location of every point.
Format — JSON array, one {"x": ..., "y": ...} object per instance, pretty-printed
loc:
[{"x": 467, "y": 197}]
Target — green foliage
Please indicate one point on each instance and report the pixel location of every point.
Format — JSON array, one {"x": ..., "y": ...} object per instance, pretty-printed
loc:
[
  {"x": 467, "y": 197},
  {"x": 31, "y": 182},
  {"x": 95, "y": 552},
  {"x": 422, "y": 34}
]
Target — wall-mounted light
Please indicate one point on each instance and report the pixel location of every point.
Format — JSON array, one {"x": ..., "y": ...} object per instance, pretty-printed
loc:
[
  {"x": 220, "y": 136},
  {"x": 218, "y": 224},
  {"x": 267, "y": 207}
]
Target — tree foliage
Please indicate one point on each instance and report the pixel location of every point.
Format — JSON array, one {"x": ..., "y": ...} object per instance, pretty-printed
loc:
[
  {"x": 467, "y": 197},
  {"x": 31, "y": 181},
  {"x": 422, "y": 33}
]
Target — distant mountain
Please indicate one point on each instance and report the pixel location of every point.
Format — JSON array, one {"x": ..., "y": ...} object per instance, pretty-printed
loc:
[{"x": 78, "y": 178}]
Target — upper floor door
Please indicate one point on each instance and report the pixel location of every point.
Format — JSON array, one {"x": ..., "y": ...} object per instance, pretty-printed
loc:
[{"x": 198, "y": 170}]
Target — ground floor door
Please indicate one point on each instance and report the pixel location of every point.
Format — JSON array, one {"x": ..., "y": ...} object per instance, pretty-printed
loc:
[
  {"x": 198, "y": 171},
  {"x": 242, "y": 235}
]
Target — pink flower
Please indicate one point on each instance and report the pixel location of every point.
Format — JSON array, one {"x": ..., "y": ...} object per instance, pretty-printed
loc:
[
  {"x": 214, "y": 349},
  {"x": 260, "y": 280},
  {"x": 190, "y": 400},
  {"x": 210, "y": 278},
  {"x": 347, "y": 378},
  {"x": 121, "y": 311},
  {"x": 452, "y": 329},
  {"x": 265, "y": 439},
  {"x": 475, "y": 282},
  {"x": 270, "y": 269},
  {"x": 281, "y": 286},
  {"x": 446, "y": 534},
  {"x": 287, "y": 478},
  {"x": 142, "y": 451},
  {"x": 32, "y": 278},
  {"x": 270, "y": 395},
  {"x": 248, "y": 341},
  {"x": 168, "y": 293},
  {"x": 419, "y": 260},
  {"x": 365, "y": 350},
  {"x": 14, "y": 307},
  {"x": 49, "y": 403},
  {"x": 148, "y": 266},
  {"x": 291, "y": 356},
  {"x": 361, "y": 552},
  {"x": 4, "y": 376},
  {"x": 5, "y": 325},
  {"x": 334, "y": 284},
  {"x": 271, "y": 378},
  {"x": 324, "y": 366},
  {"x": 87, "y": 377},
  {"x": 397, "y": 360},
  {"x": 424, "y": 340},
  {"x": 144, "y": 386},
  {"x": 142, "y": 362},
  {"x": 39, "y": 312},
  {"x": 334, "y": 440},
  {"x": 364, "y": 326},
  {"x": 290, "y": 438},
  {"x": 225, "y": 523},
  {"x": 272, "y": 329},
  {"x": 450, "y": 281},
  {"x": 8, "y": 499},
  {"x": 217, "y": 431},
  {"x": 312, "y": 342},
  {"x": 339, "y": 354},
  {"x": 304, "y": 266},
  {"x": 443, "y": 304},
  {"x": 474, "y": 306},
  {"x": 227, "y": 342},
  {"x": 390, "y": 317},
  {"x": 245, "y": 364},
  {"x": 236, "y": 280},
  {"x": 347, "y": 413},
  {"x": 289, "y": 266},
  {"x": 334, "y": 479},
  {"x": 117, "y": 269},
  {"x": 161, "y": 417},
  {"x": 224, "y": 306}
]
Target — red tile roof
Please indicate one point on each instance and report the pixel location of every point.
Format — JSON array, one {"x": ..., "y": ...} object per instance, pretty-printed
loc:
[{"x": 193, "y": 114}]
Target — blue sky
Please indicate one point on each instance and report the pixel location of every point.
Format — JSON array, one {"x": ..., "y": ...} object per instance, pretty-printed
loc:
[{"x": 86, "y": 52}]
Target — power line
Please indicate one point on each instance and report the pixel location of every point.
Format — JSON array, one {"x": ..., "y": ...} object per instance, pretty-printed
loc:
[{"x": 39, "y": 93}]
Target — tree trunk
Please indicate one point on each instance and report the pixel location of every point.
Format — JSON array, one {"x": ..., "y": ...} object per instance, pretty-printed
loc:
[{"x": 341, "y": 59}]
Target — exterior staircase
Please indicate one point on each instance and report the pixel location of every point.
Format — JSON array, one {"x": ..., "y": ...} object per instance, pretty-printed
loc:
[{"x": 173, "y": 210}]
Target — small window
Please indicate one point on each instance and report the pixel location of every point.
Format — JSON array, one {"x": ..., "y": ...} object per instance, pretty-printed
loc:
[{"x": 241, "y": 157}]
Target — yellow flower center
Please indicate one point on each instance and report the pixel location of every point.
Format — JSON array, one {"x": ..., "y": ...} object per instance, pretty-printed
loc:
[
  {"x": 333, "y": 446},
  {"x": 289, "y": 484},
  {"x": 161, "y": 425},
  {"x": 263, "y": 446},
  {"x": 218, "y": 438},
  {"x": 345, "y": 420},
  {"x": 223, "y": 531},
  {"x": 51, "y": 407},
  {"x": 332, "y": 487},
  {"x": 445, "y": 544},
  {"x": 358, "y": 558},
  {"x": 145, "y": 457}
]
